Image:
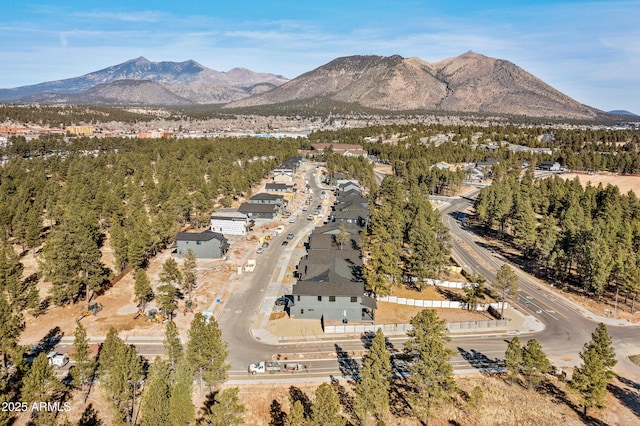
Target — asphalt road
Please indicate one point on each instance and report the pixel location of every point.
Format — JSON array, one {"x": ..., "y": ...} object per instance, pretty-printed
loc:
[{"x": 566, "y": 329}]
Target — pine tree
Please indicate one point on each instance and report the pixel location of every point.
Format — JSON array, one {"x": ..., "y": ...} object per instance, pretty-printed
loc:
[
  {"x": 189, "y": 266},
  {"x": 11, "y": 284},
  {"x": 296, "y": 415},
  {"x": 84, "y": 364},
  {"x": 40, "y": 384},
  {"x": 343, "y": 237},
  {"x": 372, "y": 388},
  {"x": 432, "y": 373},
  {"x": 524, "y": 224},
  {"x": 591, "y": 378},
  {"x": 170, "y": 273},
  {"x": 506, "y": 283},
  {"x": 473, "y": 292},
  {"x": 166, "y": 295},
  {"x": 534, "y": 362},
  {"x": 226, "y": 409},
  {"x": 154, "y": 406},
  {"x": 513, "y": 358},
  {"x": 172, "y": 345},
  {"x": 325, "y": 409},
  {"x": 120, "y": 374},
  {"x": 181, "y": 409},
  {"x": 206, "y": 351},
  {"x": 171, "y": 278},
  {"x": 425, "y": 252},
  {"x": 142, "y": 289},
  {"x": 11, "y": 325},
  {"x": 603, "y": 345}
]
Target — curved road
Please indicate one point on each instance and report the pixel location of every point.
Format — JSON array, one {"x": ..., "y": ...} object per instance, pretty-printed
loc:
[
  {"x": 567, "y": 326},
  {"x": 252, "y": 296}
]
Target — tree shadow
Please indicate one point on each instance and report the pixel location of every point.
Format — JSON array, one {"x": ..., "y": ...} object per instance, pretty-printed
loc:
[
  {"x": 449, "y": 295},
  {"x": 278, "y": 417},
  {"x": 50, "y": 340},
  {"x": 627, "y": 397},
  {"x": 399, "y": 404},
  {"x": 481, "y": 362},
  {"x": 296, "y": 394},
  {"x": 346, "y": 399},
  {"x": 560, "y": 397},
  {"x": 367, "y": 337},
  {"x": 90, "y": 417},
  {"x": 42, "y": 307},
  {"x": 349, "y": 367}
]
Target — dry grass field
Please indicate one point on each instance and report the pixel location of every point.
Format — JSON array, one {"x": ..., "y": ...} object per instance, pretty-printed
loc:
[{"x": 625, "y": 183}]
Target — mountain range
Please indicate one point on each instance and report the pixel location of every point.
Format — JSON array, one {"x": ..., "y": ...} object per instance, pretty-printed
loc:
[
  {"x": 166, "y": 83},
  {"x": 470, "y": 83}
]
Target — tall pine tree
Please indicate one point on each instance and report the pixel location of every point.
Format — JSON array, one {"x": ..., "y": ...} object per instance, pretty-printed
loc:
[{"x": 432, "y": 373}]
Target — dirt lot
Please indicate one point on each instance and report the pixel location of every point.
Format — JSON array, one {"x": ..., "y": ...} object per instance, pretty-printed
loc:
[
  {"x": 502, "y": 404},
  {"x": 625, "y": 183}
]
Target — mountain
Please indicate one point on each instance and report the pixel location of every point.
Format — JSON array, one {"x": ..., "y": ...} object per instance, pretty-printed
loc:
[
  {"x": 622, "y": 112},
  {"x": 467, "y": 83},
  {"x": 207, "y": 85}
]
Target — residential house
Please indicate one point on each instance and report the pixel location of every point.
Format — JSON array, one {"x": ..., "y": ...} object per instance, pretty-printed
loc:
[
  {"x": 265, "y": 198},
  {"x": 332, "y": 301},
  {"x": 230, "y": 223},
  {"x": 205, "y": 245},
  {"x": 259, "y": 211},
  {"x": 279, "y": 188},
  {"x": 356, "y": 217}
]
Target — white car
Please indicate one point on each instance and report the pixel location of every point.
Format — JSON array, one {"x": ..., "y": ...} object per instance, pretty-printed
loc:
[{"x": 292, "y": 219}]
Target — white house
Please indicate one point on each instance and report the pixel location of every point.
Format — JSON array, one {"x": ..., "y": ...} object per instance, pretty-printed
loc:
[{"x": 230, "y": 223}]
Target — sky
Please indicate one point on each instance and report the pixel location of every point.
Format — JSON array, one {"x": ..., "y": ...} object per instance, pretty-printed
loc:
[{"x": 589, "y": 50}]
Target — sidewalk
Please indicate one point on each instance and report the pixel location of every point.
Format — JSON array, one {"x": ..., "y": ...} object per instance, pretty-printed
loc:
[{"x": 292, "y": 331}]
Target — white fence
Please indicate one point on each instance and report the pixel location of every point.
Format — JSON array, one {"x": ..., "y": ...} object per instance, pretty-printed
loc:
[
  {"x": 440, "y": 283},
  {"x": 437, "y": 303},
  {"x": 389, "y": 329}
]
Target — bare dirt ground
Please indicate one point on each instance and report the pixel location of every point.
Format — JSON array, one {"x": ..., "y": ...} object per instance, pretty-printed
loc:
[
  {"x": 502, "y": 404},
  {"x": 625, "y": 183}
]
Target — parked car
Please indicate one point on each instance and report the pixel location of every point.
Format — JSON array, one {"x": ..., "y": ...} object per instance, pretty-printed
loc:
[
  {"x": 284, "y": 301},
  {"x": 305, "y": 208},
  {"x": 260, "y": 250},
  {"x": 265, "y": 245},
  {"x": 292, "y": 219},
  {"x": 310, "y": 217},
  {"x": 290, "y": 236},
  {"x": 285, "y": 243}
]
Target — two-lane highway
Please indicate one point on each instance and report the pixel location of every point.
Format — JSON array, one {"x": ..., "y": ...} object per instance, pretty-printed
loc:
[{"x": 566, "y": 328}]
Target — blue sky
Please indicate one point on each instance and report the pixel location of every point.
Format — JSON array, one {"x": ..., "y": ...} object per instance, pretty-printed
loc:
[{"x": 588, "y": 50}]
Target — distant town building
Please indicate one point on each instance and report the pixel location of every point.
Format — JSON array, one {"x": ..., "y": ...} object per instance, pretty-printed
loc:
[
  {"x": 80, "y": 130},
  {"x": 340, "y": 148},
  {"x": 552, "y": 166}
]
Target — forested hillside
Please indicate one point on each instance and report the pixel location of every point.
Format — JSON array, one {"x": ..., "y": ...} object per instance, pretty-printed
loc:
[
  {"x": 137, "y": 193},
  {"x": 588, "y": 237}
]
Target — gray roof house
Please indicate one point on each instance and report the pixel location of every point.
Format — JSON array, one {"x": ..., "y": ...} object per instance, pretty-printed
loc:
[
  {"x": 205, "y": 245},
  {"x": 264, "y": 198},
  {"x": 354, "y": 217},
  {"x": 332, "y": 301},
  {"x": 550, "y": 165},
  {"x": 279, "y": 187},
  {"x": 259, "y": 211}
]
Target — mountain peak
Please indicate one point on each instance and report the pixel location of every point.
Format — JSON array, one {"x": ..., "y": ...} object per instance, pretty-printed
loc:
[
  {"x": 470, "y": 82},
  {"x": 140, "y": 60}
]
